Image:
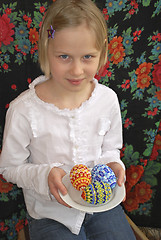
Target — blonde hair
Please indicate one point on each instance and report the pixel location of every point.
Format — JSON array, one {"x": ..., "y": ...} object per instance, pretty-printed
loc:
[{"x": 71, "y": 13}]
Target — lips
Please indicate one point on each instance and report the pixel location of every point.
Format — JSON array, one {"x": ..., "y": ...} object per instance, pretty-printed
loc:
[{"x": 75, "y": 81}]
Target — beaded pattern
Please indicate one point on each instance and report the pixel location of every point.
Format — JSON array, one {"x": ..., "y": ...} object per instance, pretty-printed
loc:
[
  {"x": 97, "y": 193},
  {"x": 102, "y": 172},
  {"x": 80, "y": 176}
]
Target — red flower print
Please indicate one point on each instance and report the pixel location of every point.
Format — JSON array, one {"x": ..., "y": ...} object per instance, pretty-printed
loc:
[
  {"x": 132, "y": 3},
  {"x": 29, "y": 22},
  {"x": 133, "y": 175},
  {"x": 2, "y": 227},
  {"x": 116, "y": 49},
  {"x": 118, "y": 55},
  {"x": 154, "y": 37},
  {"x": 8, "y": 11},
  {"x": 6, "y": 30},
  {"x": 7, "y": 106},
  {"x": 139, "y": 32},
  {"x": 143, "y": 81},
  {"x": 157, "y": 75},
  {"x": 104, "y": 11},
  {"x": 42, "y": 9},
  {"x": 131, "y": 202},
  {"x": 5, "y": 187},
  {"x": 144, "y": 68},
  {"x": 115, "y": 43},
  {"x": 25, "y": 17},
  {"x": 32, "y": 50},
  {"x": 109, "y": 74},
  {"x": 122, "y": 152},
  {"x": 150, "y": 113},
  {"x": 135, "y": 33},
  {"x": 154, "y": 153},
  {"x": 2, "y": 178},
  {"x": 16, "y": 47},
  {"x": 145, "y": 161},
  {"x": 33, "y": 35},
  {"x": 14, "y": 87},
  {"x": 126, "y": 85},
  {"x": 143, "y": 192},
  {"x": 159, "y": 57},
  {"x": 19, "y": 225},
  {"x": 159, "y": 37},
  {"x": 29, "y": 80},
  {"x": 157, "y": 142},
  {"x": 5, "y": 66},
  {"x": 106, "y": 17},
  {"x": 135, "y": 39},
  {"x": 132, "y": 11},
  {"x": 102, "y": 72},
  {"x": 128, "y": 122},
  {"x": 159, "y": 128},
  {"x": 158, "y": 95}
]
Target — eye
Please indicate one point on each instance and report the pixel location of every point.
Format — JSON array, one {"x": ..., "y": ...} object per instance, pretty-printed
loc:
[
  {"x": 87, "y": 57},
  {"x": 64, "y": 57}
]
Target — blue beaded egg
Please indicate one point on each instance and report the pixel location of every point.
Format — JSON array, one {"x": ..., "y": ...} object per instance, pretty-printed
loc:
[
  {"x": 102, "y": 172},
  {"x": 97, "y": 193}
]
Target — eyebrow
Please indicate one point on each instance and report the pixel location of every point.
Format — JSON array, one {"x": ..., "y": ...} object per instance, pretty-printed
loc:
[{"x": 67, "y": 53}]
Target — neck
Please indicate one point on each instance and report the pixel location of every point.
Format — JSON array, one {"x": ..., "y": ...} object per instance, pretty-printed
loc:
[
  {"x": 71, "y": 100},
  {"x": 50, "y": 93}
]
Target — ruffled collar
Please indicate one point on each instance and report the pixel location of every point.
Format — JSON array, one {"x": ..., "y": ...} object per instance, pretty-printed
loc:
[{"x": 51, "y": 106}]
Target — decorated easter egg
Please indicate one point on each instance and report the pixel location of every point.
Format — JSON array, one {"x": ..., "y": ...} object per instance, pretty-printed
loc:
[
  {"x": 80, "y": 176},
  {"x": 97, "y": 192},
  {"x": 102, "y": 172}
]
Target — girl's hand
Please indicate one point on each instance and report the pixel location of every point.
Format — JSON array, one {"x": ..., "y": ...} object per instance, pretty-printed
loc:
[
  {"x": 55, "y": 183},
  {"x": 119, "y": 172}
]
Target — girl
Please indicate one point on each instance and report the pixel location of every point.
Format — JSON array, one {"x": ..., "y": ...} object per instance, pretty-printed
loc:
[{"x": 65, "y": 118}]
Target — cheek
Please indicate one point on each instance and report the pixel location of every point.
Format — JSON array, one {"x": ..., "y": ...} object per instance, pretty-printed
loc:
[
  {"x": 55, "y": 67},
  {"x": 93, "y": 69}
]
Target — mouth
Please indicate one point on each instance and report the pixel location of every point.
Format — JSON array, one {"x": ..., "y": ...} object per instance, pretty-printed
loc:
[{"x": 75, "y": 81}]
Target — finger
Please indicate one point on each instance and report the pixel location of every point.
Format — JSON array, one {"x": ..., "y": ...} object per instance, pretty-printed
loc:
[
  {"x": 120, "y": 178},
  {"x": 56, "y": 194},
  {"x": 61, "y": 188},
  {"x": 124, "y": 199}
]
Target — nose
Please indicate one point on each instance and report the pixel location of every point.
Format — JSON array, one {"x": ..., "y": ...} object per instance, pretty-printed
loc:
[{"x": 76, "y": 69}]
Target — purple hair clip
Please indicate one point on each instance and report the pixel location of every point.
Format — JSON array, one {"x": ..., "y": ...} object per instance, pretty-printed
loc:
[{"x": 51, "y": 32}]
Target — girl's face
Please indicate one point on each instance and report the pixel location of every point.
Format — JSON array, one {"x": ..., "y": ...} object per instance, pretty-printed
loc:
[{"x": 73, "y": 58}]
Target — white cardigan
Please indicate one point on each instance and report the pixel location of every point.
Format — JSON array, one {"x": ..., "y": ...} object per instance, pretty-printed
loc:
[{"x": 39, "y": 136}]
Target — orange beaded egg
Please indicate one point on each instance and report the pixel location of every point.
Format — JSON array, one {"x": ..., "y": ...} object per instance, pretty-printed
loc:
[{"x": 80, "y": 176}]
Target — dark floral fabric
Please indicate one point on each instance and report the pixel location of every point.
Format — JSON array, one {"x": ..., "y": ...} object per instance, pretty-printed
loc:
[{"x": 133, "y": 71}]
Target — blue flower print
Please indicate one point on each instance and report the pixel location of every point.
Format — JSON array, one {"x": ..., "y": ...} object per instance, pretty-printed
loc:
[
  {"x": 110, "y": 6},
  {"x": 112, "y": 32},
  {"x": 24, "y": 45},
  {"x": 19, "y": 58},
  {"x": 21, "y": 32},
  {"x": 120, "y": 4},
  {"x": 144, "y": 209},
  {"x": 154, "y": 102},
  {"x": 6, "y": 58},
  {"x": 157, "y": 49},
  {"x": 127, "y": 62}
]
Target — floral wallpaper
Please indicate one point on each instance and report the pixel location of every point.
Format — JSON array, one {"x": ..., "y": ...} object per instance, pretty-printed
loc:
[{"x": 133, "y": 71}]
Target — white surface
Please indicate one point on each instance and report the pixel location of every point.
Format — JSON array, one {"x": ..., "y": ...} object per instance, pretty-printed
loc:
[{"x": 74, "y": 199}]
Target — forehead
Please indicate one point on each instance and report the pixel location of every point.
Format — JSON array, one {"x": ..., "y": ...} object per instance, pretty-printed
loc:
[{"x": 71, "y": 39}]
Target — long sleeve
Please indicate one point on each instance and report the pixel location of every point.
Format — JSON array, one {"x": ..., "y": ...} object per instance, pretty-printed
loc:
[
  {"x": 112, "y": 142},
  {"x": 15, "y": 162}
]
